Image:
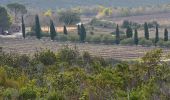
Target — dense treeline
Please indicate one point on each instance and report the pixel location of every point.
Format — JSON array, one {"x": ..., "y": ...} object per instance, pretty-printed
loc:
[{"x": 69, "y": 75}]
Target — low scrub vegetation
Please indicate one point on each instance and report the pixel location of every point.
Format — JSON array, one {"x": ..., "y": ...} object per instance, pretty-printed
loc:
[{"x": 69, "y": 75}]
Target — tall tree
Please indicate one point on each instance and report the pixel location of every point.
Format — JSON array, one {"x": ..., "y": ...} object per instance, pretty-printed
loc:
[
  {"x": 117, "y": 35},
  {"x": 23, "y": 28},
  {"x": 52, "y": 30},
  {"x": 4, "y": 19},
  {"x": 146, "y": 30},
  {"x": 37, "y": 27},
  {"x": 136, "y": 40},
  {"x": 165, "y": 34},
  {"x": 82, "y": 33},
  {"x": 16, "y": 9},
  {"x": 65, "y": 30},
  {"x": 69, "y": 17},
  {"x": 129, "y": 32},
  {"x": 156, "y": 35},
  {"x": 78, "y": 29}
]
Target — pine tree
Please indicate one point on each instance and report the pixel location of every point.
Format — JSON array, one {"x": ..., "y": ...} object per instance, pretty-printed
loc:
[
  {"x": 52, "y": 30},
  {"x": 23, "y": 28},
  {"x": 78, "y": 29},
  {"x": 117, "y": 35},
  {"x": 165, "y": 34},
  {"x": 37, "y": 27},
  {"x": 82, "y": 33},
  {"x": 146, "y": 31},
  {"x": 129, "y": 32},
  {"x": 65, "y": 30},
  {"x": 156, "y": 35},
  {"x": 136, "y": 40}
]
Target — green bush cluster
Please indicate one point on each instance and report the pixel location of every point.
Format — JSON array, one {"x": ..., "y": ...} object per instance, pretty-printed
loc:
[{"x": 74, "y": 75}]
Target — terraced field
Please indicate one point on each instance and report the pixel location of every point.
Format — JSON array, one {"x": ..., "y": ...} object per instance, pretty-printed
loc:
[{"x": 30, "y": 46}]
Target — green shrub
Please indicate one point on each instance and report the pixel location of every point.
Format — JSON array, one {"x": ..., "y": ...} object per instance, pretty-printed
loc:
[
  {"x": 67, "y": 55},
  {"x": 96, "y": 39},
  {"x": 46, "y": 57},
  {"x": 62, "y": 37},
  {"x": 9, "y": 93},
  {"x": 73, "y": 38},
  {"x": 167, "y": 44},
  {"x": 108, "y": 39},
  {"x": 128, "y": 41},
  {"x": 89, "y": 38},
  {"x": 145, "y": 42},
  {"x": 27, "y": 93},
  {"x": 55, "y": 96}
]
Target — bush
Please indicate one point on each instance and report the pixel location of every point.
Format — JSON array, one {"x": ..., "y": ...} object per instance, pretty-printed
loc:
[
  {"x": 128, "y": 41},
  {"x": 145, "y": 42},
  {"x": 62, "y": 37},
  {"x": 27, "y": 93},
  {"x": 46, "y": 57},
  {"x": 73, "y": 38},
  {"x": 67, "y": 55},
  {"x": 9, "y": 93},
  {"x": 96, "y": 39},
  {"x": 55, "y": 96},
  {"x": 100, "y": 23},
  {"x": 89, "y": 38},
  {"x": 108, "y": 39}
]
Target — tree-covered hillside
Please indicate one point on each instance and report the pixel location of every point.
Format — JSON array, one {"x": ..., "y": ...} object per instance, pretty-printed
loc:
[{"x": 70, "y": 3}]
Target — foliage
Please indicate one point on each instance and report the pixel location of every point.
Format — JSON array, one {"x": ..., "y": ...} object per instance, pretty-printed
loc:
[
  {"x": 165, "y": 35},
  {"x": 52, "y": 30},
  {"x": 102, "y": 23},
  {"x": 82, "y": 33},
  {"x": 129, "y": 32},
  {"x": 76, "y": 76},
  {"x": 4, "y": 19},
  {"x": 146, "y": 31},
  {"x": 145, "y": 42},
  {"x": 128, "y": 41},
  {"x": 136, "y": 40},
  {"x": 23, "y": 28},
  {"x": 37, "y": 27},
  {"x": 156, "y": 35},
  {"x": 69, "y": 17},
  {"x": 117, "y": 35},
  {"x": 17, "y": 8},
  {"x": 65, "y": 30},
  {"x": 46, "y": 57}
]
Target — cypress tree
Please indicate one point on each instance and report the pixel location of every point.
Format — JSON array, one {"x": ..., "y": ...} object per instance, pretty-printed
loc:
[
  {"x": 129, "y": 32},
  {"x": 117, "y": 35},
  {"x": 136, "y": 40},
  {"x": 37, "y": 27},
  {"x": 82, "y": 33},
  {"x": 146, "y": 31},
  {"x": 156, "y": 35},
  {"x": 23, "y": 28},
  {"x": 78, "y": 29},
  {"x": 52, "y": 30},
  {"x": 165, "y": 34},
  {"x": 65, "y": 30}
]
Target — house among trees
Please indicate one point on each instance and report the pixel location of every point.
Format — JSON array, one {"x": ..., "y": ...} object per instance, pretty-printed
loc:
[{"x": 12, "y": 29}]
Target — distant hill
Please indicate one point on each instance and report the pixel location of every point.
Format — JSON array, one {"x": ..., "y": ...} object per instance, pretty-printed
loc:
[{"x": 44, "y": 4}]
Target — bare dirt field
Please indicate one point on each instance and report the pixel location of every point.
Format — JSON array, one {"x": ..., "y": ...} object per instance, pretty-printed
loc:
[{"x": 30, "y": 46}]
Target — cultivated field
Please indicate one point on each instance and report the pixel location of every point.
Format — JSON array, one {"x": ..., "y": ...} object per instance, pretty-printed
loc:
[{"x": 30, "y": 46}]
